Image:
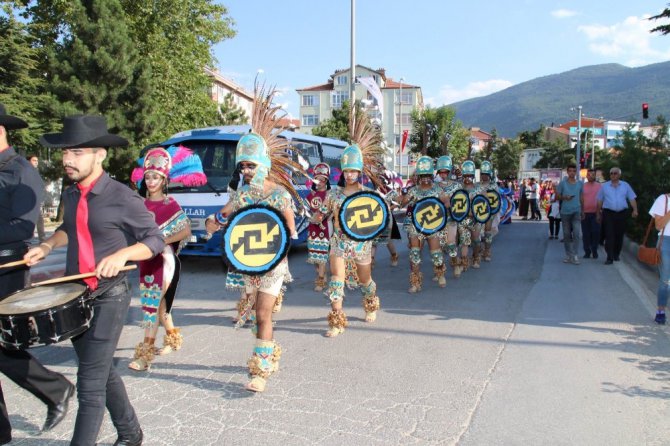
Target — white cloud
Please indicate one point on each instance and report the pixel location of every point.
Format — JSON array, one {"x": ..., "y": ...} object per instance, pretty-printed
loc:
[
  {"x": 449, "y": 94},
  {"x": 563, "y": 13},
  {"x": 628, "y": 42}
]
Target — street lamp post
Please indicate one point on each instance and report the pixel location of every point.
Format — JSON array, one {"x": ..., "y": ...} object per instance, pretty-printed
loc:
[
  {"x": 400, "y": 152},
  {"x": 352, "y": 81},
  {"x": 579, "y": 135}
]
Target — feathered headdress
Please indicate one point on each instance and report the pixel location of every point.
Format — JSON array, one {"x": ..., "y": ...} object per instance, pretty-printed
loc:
[
  {"x": 368, "y": 139},
  {"x": 265, "y": 123},
  {"x": 186, "y": 168}
]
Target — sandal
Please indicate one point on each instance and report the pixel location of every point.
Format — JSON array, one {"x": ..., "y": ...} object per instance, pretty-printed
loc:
[
  {"x": 256, "y": 384},
  {"x": 334, "y": 331},
  {"x": 144, "y": 354}
]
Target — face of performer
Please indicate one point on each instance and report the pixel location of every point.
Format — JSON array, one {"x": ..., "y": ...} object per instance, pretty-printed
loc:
[
  {"x": 248, "y": 170},
  {"x": 154, "y": 183},
  {"x": 350, "y": 176},
  {"x": 444, "y": 174},
  {"x": 468, "y": 180},
  {"x": 83, "y": 165},
  {"x": 323, "y": 182},
  {"x": 425, "y": 180},
  {"x": 485, "y": 178}
]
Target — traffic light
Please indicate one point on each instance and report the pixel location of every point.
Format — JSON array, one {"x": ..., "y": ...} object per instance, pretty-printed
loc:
[{"x": 645, "y": 110}]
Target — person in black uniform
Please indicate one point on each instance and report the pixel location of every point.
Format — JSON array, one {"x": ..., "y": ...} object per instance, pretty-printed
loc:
[
  {"x": 21, "y": 191},
  {"x": 105, "y": 225}
]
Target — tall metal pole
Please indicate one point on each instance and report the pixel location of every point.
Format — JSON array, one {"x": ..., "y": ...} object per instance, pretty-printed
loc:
[
  {"x": 352, "y": 81},
  {"x": 579, "y": 136},
  {"x": 593, "y": 144},
  {"x": 402, "y": 150}
]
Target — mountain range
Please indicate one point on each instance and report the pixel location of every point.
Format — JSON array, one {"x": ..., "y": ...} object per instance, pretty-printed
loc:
[{"x": 612, "y": 91}]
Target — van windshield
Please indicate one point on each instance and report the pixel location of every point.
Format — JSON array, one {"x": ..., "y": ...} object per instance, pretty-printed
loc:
[{"x": 218, "y": 162}]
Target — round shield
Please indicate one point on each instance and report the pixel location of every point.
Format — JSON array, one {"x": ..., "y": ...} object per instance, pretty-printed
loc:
[
  {"x": 429, "y": 216},
  {"x": 256, "y": 239},
  {"x": 494, "y": 200},
  {"x": 363, "y": 216},
  {"x": 459, "y": 205},
  {"x": 481, "y": 208}
]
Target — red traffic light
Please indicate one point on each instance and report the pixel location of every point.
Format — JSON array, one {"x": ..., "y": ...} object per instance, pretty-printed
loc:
[{"x": 645, "y": 110}]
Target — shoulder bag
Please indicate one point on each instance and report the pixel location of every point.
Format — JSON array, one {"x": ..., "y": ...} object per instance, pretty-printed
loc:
[{"x": 648, "y": 255}]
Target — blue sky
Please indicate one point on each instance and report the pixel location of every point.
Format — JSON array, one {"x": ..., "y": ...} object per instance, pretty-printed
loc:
[{"x": 453, "y": 50}]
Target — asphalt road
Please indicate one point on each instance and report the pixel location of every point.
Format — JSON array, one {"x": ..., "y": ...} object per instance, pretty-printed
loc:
[{"x": 525, "y": 350}]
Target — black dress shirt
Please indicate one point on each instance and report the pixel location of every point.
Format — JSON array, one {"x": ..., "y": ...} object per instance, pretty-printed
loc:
[
  {"x": 117, "y": 218},
  {"x": 21, "y": 193}
]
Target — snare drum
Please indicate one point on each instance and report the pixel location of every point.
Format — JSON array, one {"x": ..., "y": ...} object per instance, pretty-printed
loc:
[{"x": 44, "y": 315}]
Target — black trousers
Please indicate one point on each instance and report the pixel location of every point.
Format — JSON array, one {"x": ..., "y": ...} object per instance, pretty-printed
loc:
[
  {"x": 615, "y": 227},
  {"x": 19, "y": 365},
  {"x": 554, "y": 226},
  {"x": 98, "y": 383}
]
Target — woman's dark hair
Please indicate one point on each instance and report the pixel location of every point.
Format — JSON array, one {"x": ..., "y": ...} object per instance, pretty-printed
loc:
[
  {"x": 340, "y": 182},
  {"x": 327, "y": 184},
  {"x": 235, "y": 178}
]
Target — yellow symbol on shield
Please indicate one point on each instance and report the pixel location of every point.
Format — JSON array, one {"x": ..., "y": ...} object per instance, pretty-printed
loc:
[
  {"x": 459, "y": 204},
  {"x": 364, "y": 212},
  {"x": 481, "y": 210},
  {"x": 429, "y": 217},
  {"x": 493, "y": 199},
  {"x": 253, "y": 244}
]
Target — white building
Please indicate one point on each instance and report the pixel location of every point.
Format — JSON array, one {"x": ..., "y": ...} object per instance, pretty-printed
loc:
[{"x": 222, "y": 86}]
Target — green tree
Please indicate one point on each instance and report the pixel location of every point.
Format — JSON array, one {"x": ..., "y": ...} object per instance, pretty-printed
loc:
[
  {"x": 230, "y": 113},
  {"x": 22, "y": 88},
  {"x": 176, "y": 38},
  {"x": 556, "y": 154},
  {"x": 97, "y": 70},
  {"x": 663, "y": 29},
  {"x": 336, "y": 127},
  {"x": 644, "y": 164},
  {"x": 436, "y": 132},
  {"x": 506, "y": 157}
]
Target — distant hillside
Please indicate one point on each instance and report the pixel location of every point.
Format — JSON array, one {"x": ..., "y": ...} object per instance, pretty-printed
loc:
[{"x": 611, "y": 90}]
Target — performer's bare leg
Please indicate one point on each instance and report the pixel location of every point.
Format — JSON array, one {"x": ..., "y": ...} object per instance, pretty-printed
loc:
[
  {"x": 337, "y": 319},
  {"x": 265, "y": 357}
]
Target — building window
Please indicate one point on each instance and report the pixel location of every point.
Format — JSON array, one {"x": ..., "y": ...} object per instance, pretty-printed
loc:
[
  {"x": 341, "y": 80},
  {"x": 406, "y": 97},
  {"x": 338, "y": 98},
  {"x": 310, "y": 120},
  {"x": 310, "y": 100},
  {"x": 406, "y": 119}
]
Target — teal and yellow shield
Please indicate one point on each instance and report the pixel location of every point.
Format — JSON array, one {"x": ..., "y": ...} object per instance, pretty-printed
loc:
[
  {"x": 255, "y": 240},
  {"x": 429, "y": 216},
  {"x": 363, "y": 216},
  {"x": 481, "y": 208},
  {"x": 459, "y": 205},
  {"x": 494, "y": 200}
]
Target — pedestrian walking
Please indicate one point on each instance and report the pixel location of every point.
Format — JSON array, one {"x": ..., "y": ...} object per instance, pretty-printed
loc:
[
  {"x": 35, "y": 161},
  {"x": 590, "y": 224},
  {"x": 660, "y": 212},
  {"x": 554, "y": 216},
  {"x": 21, "y": 192},
  {"x": 614, "y": 197},
  {"x": 569, "y": 191}
]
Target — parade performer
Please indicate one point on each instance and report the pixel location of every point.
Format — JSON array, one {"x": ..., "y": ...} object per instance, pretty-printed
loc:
[
  {"x": 491, "y": 226},
  {"x": 425, "y": 188},
  {"x": 469, "y": 231},
  {"x": 105, "y": 225},
  {"x": 449, "y": 186},
  {"x": 391, "y": 191},
  {"x": 363, "y": 156},
  {"x": 261, "y": 157},
  {"x": 159, "y": 276},
  {"x": 318, "y": 233}
]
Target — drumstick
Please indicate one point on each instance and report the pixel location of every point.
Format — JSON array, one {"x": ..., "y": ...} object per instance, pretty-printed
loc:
[
  {"x": 16, "y": 263},
  {"x": 76, "y": 277}
]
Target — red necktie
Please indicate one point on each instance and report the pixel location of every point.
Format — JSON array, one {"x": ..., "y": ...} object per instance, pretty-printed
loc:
[{"x": 84, "y": 240}]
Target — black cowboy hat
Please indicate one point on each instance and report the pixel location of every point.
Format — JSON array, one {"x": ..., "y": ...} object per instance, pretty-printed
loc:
[
  {"x": 11, "y": 122},
  {"x": 83, "y": 131}
]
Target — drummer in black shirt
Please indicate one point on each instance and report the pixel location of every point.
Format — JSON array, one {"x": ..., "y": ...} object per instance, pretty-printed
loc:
[
  {"x": 21, "y": 191},
  {"x": 106, "y": 228}
]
